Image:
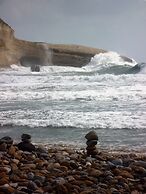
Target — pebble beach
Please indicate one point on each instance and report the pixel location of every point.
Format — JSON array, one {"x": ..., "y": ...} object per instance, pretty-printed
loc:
[{"x": 57, "y": 169}]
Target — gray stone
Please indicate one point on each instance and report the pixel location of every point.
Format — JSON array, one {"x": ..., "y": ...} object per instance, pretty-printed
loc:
[
  {"x": 91, "y": 142},
  {"x": 91, "y": 136}
]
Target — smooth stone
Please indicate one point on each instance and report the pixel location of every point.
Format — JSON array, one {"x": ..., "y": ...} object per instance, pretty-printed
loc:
[
  {"x": 126, "y": 174},
  {"x": 14, "y": 166},
  {"x": 90, "y": 159},
  {"x": 4, "y": 180},
  {"x": 94, "y": 172},
  {"x": 25, "y": 136},
  {"x": 70, "y": 178},
  {"x": 91, "y": 147},
  {"x": 140, "y": 163},
  {"x": 12, "y": 150},
  {"x": 8, "y": 140},
  {"x": 60, "y": 180},
  {"x": 16, "y": 161},
  {"x": 92, "y": 152},
  {"x": 56, "y": 165},
  {"x": 13, "y": 185},
  {"x": 7, "y": 189},
  {"x": 26, "y": 146},
  {"x": 80, "y": 168},
  {"x": 88, "y": 164},
  {"x": 117, "y": 162},
  {"x": 40, "y": 178},
  {"x": 91, "y": 136},
  {"x": 38, "y": 183},
  {"x": 3, "y": 147},
  {"x": 32, "y": 185},
  {"x": 8, "y": 169},
  {"x": 30, "y": 175},
  {"x": 74, "y": 156},
  {"x": 44, "y": 155},
  {"x": 91, "y": 142},
  {"x": 73, "y": 164}
]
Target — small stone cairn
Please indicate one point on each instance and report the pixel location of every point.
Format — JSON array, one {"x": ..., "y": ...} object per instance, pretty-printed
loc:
[
  {"x": 92, "y": 139},
  {"x": 25, "y": 144},
  {"x": 5, "y": 143}
]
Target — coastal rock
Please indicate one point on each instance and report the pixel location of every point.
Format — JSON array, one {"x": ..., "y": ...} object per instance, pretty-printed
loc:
[
  {"x": 35, "y": 68},
  {"x": 26, "y": 53},
  {"x": 91, "y": 136}
]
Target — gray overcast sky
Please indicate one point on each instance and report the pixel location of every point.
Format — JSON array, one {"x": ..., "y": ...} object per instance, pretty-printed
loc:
[{"x": 116, "y": 25}]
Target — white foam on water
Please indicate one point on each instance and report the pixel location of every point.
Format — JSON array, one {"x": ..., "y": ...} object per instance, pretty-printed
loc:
[
  {"x": 105, "y": 119},
  {"x": 108, "y": 59},
  {"x": 72, "y": 97}
]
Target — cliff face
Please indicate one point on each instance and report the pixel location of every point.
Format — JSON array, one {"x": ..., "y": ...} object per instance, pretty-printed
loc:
[
  {"x": 6, "y": 42},
  {"x": 27, "y": 53}
]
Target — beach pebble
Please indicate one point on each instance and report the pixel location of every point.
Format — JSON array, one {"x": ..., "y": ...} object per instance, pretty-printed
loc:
[
  {"x": 91, "y": 136},
  {"x": 70, "y": 172},
  {"x": 117, "y": 162},
  {"x": 7, "y": 189},
  {"x": 32, "y": 185},
  {"x": 140, "y": 163},
  {"x": 91, "y": 142},
  {"x": 3, "y": 147},
  {"x": 60, "y": 181},
  {"x": 30, "y": 175},
  {"x": 8, "y": 140}
]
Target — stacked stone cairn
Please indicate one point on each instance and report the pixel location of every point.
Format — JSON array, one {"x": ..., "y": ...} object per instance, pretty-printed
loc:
[
  {"x": 92, "y": 139},
  {"x": 26, "y": 144},
  {"x": 5, "y": 143}
]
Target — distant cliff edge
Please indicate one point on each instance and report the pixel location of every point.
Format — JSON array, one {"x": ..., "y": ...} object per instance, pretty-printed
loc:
[{"x": 26, "y": 53}]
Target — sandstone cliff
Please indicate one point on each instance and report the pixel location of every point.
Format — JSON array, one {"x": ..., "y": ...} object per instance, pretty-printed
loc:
[
  {"x": 26, "y": 53},
  {"x": 13, "y": 50}
]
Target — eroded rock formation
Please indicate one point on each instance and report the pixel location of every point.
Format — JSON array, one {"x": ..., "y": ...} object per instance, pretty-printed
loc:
[
  {"x": 26, "y": 53},
  {"x": 13, "y": 50}
]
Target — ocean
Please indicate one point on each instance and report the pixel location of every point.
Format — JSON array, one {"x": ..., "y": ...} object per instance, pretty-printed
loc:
[{"x": 59, "y": 105}]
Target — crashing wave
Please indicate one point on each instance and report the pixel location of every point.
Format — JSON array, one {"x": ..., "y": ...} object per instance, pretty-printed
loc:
[{"x": 110, "y": 63}]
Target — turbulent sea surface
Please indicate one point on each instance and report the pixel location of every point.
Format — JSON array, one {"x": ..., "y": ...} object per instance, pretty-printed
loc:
[{"x": 62, "y": 104}]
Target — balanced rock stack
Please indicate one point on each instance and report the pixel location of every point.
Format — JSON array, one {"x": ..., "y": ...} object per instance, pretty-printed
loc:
[
  {"x": 5, "y": 142},
  {"x": 26, "y": 144},
  {"x": 92, "y": 139}
]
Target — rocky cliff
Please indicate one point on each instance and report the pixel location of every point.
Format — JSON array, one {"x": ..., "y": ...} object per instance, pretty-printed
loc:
[
  {"x": 13, "y": 50},
  {"x": 26, "y": 53}
]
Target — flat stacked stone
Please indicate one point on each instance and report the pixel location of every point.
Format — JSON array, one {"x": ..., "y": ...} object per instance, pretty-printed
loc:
[{"x": 92, "y": 139}]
